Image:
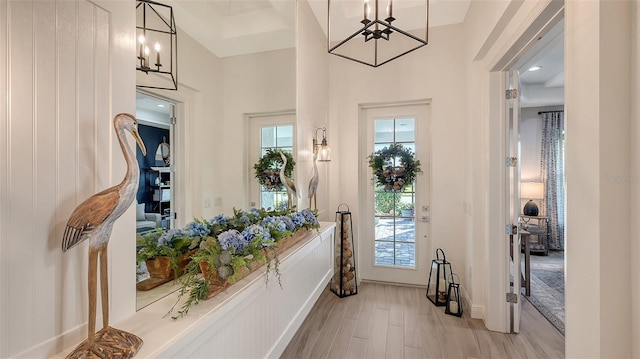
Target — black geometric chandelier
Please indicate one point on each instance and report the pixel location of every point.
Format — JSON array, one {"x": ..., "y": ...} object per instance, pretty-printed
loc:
[
  {"x": 371, "y": 31},
  {"x": 157, "y": 49}
]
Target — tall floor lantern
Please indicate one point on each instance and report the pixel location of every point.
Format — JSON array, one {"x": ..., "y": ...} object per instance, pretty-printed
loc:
[{"x": 344, "y": 281}]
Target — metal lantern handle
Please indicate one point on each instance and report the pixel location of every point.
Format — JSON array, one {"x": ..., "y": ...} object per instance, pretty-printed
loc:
[
  {"x": 439, "y": 250},
  {"x": 453, "y": 279},
  {"x": 341, "y": 204}
]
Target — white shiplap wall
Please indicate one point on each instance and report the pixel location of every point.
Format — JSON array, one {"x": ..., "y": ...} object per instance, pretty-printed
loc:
[{"x": 57, "y": 148}]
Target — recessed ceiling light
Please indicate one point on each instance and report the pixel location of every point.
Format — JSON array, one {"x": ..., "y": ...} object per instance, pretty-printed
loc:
[
  {"x": 161, "y": 105},
  {"x": 535, "y": 68}
]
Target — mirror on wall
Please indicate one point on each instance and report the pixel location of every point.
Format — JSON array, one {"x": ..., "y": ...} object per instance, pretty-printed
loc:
[{"x": 255, "y": 42}]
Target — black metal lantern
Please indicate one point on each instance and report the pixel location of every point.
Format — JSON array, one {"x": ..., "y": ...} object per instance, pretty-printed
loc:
[
  {"x": 454, "y": 301},
  {"x": 157, "y": 50},
  {"x": 344, "y": 282},
  {"x": 437, "y": 286}
]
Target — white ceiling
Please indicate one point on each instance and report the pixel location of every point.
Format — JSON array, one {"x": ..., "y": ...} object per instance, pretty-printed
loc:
[
  {"x": 544, "y": 87},
  {"x": 236, "y": 27}
]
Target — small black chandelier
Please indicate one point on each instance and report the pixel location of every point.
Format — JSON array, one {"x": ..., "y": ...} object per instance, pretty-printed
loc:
[
  {"x": 156, "y": 31},
  {"x": 350, "y": 36}
]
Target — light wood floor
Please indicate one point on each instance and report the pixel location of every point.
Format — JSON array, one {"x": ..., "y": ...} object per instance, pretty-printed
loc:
[{"x": 387, "y": 321}]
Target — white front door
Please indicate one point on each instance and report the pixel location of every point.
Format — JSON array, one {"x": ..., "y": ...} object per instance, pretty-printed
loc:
[{"x": 395, "y": 230}]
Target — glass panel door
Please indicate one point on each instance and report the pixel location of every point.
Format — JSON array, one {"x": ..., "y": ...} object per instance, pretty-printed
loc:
[
  {"x": 395, "y": 221},
  {"x": 395, "y": 239}
]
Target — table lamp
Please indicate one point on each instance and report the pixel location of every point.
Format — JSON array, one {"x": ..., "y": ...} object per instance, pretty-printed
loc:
[{"x": 531, "y": 190}]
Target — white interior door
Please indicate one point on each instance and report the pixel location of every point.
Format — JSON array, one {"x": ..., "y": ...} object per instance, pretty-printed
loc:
[
  {"x": 513, "y": 195},
  {"x": 395, "y": 242}
]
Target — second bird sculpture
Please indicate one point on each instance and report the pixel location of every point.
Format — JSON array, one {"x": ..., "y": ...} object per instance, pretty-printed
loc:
[
  {"x": 288, "y": 183},
  {"x": 93, "y": 220}
]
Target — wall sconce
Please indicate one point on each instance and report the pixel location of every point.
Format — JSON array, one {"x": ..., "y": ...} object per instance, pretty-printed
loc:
[
  {"x": 156, "y": 31},
  {"x": 322, "y": 149},
  {"x": 531, "y": 190}
]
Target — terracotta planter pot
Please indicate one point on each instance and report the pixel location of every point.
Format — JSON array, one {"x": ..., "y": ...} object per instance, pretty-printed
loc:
[{"x": 160, "y": 270}]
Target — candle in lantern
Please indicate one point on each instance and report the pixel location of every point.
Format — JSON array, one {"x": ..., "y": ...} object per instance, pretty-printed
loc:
[
  {"x": 453, "y": 306},
  {"x": 442, "y": 285},
  {"x": 157, "y": 47}
]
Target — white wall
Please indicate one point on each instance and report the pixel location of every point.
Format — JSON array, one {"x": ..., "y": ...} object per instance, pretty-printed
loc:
[
  {"x": 435, "y": 72},
  {"x": 67, "y": 72},
  {"x": 598, "y": 149},
  {"x": 312, "y": 107}
]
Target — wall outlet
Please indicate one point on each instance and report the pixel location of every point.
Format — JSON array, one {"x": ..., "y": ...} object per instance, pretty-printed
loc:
[
  {"x": 207, "y": 203},
  {"x": 217, "y": 201}
]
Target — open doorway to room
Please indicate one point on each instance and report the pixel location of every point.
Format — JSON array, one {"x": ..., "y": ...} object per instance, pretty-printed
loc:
[
  {"x": 542, "y": 184},
  {"x": 155, "y": 197}
]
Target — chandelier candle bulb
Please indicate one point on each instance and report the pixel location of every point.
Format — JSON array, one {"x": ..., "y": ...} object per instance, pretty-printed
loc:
[
  {"x": 141, "y": 40},
  {"x": 157, "y": 46}
]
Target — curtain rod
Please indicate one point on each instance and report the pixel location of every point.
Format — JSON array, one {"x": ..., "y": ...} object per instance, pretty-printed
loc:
[{"x": 541, "y": 112}]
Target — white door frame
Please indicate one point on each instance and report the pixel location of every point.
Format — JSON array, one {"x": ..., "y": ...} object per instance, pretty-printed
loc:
[
  {"x": 365, "y": 220},
  {"x": 497, "y": 308}
]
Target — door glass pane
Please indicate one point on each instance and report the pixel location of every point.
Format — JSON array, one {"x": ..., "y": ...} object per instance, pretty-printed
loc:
[
  {"x": 277, "y": 138},
  {"x": 394, "y": 211}
]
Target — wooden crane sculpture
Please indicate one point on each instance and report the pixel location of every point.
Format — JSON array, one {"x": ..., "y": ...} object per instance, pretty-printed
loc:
[
  {"x": 288, "y": 182},
  {"x": 93, "y": 219},
  {"x": 313, "y": 183}
]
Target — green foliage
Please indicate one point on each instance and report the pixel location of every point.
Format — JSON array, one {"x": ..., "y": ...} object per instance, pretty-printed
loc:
[{"x": 386, "y": 203}]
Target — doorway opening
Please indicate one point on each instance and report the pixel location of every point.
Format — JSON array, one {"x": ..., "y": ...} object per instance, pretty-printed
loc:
[{"x": 541, "y": 165}]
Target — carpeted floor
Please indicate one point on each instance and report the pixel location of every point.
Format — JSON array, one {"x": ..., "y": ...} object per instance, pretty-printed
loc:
[{"x": 547, "y": 287}]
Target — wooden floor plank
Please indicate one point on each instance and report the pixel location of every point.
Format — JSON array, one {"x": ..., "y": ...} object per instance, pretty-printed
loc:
[
  {"x": 328, "y": 331},
  {"x": 396, "y": 311},
  {"x": 395, "y": 341},
  {"x": 357, "y": 348},
  {"x": 341, "y": 342},
  {"x": 378, "y": 343}
]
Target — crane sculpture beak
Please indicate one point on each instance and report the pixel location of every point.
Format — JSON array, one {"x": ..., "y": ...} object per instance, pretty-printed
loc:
[{"x": 136, "y": 135}]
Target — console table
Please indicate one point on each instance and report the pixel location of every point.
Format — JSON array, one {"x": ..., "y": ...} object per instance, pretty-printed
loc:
[{"x": 541, "y": 246}]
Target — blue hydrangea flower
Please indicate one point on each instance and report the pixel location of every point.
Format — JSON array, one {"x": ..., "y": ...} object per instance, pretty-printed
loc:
[
  {"x": 244, "y": 219},
  {"x": 298, "y": 219},
  {"x": 255, "y": 230},
  {"x": 220, "y": 219},
  {"x": 231, "y": 239},
  {"x": 274, "y": 223},
  {"x": 309, "y": 217},
  {"x": 290, "y": 226},
  {"x": 169, "y": 235},
  {"x": 196, "y": 229}
]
